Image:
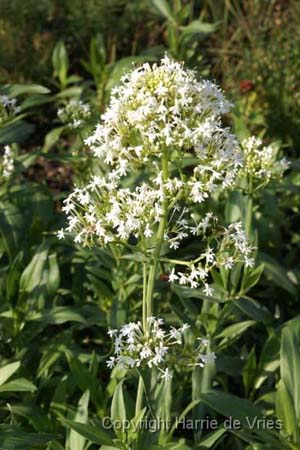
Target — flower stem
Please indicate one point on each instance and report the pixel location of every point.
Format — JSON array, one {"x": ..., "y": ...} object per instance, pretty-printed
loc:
[
  {"x": 139, "y": 396},
  {"x": 249, "y": 209},
  {"x": 149, "y": 280},
  {"x": 144, "y": 295},
  {"x": 159, "y": 236}
]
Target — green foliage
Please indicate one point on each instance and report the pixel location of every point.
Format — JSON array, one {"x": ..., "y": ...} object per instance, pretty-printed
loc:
[{"x": 58, "y": 300}]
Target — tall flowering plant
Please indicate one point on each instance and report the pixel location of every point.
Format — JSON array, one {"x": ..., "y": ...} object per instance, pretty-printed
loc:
[{"x": 164, "y": 125}]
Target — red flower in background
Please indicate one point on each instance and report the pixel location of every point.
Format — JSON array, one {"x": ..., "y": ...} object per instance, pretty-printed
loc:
[
  {"x": 246, "y": 86},
  {"x": 164, "y": 277}
]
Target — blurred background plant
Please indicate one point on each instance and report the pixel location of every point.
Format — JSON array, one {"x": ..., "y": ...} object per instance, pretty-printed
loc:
[{"x": 59, "y": 62}]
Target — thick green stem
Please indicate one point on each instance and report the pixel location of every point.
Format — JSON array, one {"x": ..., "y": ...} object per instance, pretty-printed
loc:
[
  {"x": 159, "y": 237},
  {"x": 139, "y": 396},
  {"x": 149, "y": 279},
  {"x": 249, "y": 209},
  {"x": 144, "y": 295}
]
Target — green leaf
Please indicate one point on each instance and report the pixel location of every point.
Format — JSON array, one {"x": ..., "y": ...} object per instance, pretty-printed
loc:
[
  {"x": 250, "y": 371},
  {"x": 12, "y": 225},
  {"x": 251, "y": 278},
  {"x": 60, "y": 62},
  {"x": 57, "y": 315},
  {"x": 35, "y": 100},
  {"x": 210, "y": 440},
  {"x": 202, "y": 380},
  {"x": 12, "y": 438},
  {"x": 290, "y": 362},
  {"x": 96, "y": 65},
  {"x": 233, "y": 332},
  {"x": 73, "y": 91},
  {"x": 54, "y": 445},
  {"x": 163, "y": 7},
  {"x": 15, "y": 132},
  {"x": 186, "y": 292},
  {"x": 199, "y": 27},
  {"x": 18, "y": 385},
  {"x": 41, "y": 277},
  {"x": 52, "y": 137},
  {"x": 99, "y": 287},
  {"x": 84, "y": 378},
  {"x": 95, "y": 434},
  {"x": 13, "y": 278},
  {"x": 231, "y": 406},
  {"x": 118, "y": 409},
  {"x": 33, "y": 414},
  {"x": 253, "y": 309},
  {"x": 171, "y": 446},
  {"x": 277, "y": 274},
  {"x": 33, "y": 274},
  {"x": 53, "y": 276},
  {"x": 189, "y": 408},
  {"x": 108, "y": 447},
  {"x": 13, "y": 90},
  {"x": 7, "y": 371},
  {"x": 285, "y": 410},
  {"x": 76, "y": 440},
  {"x": 269, "y": 359}
]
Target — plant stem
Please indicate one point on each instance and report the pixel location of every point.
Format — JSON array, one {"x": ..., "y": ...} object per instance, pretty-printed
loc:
[
  {"x": 149, "y": 280},
  {"x": 159, "y": 236},
  {"x": 202, "y": 382},
  {"x": 144, "y": 295},
  {"x": 249, "y": 209},
  {"x": 139, "y": 396}
]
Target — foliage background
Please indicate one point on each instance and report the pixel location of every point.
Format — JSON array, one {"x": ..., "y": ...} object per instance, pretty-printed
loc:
[{"x": 57, "y": 299}]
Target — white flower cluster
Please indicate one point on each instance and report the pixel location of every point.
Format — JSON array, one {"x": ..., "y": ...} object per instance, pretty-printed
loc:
[
  {"x": 163, "y": 108},
  {"x": 107, "y": 213},
  {"x": 223, "y": 247},
  {"x": 7, "y": 163},
  {"x": 260, "y": 162},
  {"x": 167, "y": 106},
  {"x": 135, "y": 347},
  {"x": 8, "y": 108},
  {"x": 75, "y": 113}
]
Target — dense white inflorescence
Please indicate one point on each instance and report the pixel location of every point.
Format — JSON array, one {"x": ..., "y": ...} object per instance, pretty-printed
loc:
[
  {"x": 7, "y": 163},
  {"x": 8, "y": 108},
  {"x": 154, "y": 108},
  {"x": 260, "y": 162},
  {"x": 135, "y": 347},
  {"x": 164, "y": 111},
  {"x": 75, "y": 113}
]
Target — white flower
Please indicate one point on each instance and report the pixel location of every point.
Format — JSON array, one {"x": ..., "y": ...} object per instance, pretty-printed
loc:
[
  {"x": 249, "y": 262},
  {"x": 8, "y": 108},
  {"x": 145, "y": 352},
  {"x": 112, "y": 333},
  {"x": 207, "y": 358},
  {"x": 261, "y": 162},
  {"x": 172, "y": 276},
  {"x": 184, "y": 327},
  {"x": 75, "y": 113},
  {"x": 228, "y": 264},
  {"x": 7, "y": 163},
  {"x": 166, "y": 374},
  {"x": 204, "y": 341},
  {"x": 61, "y": 234},
  {"x": 176, "y": 335},
  {"x": 162, "y": 110},
  {"x": 154, "y": 107},
  {"x": 148, "y": 232},
  {"x": 208, "y": 290},
  {"x": 111, "y": 362}
]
